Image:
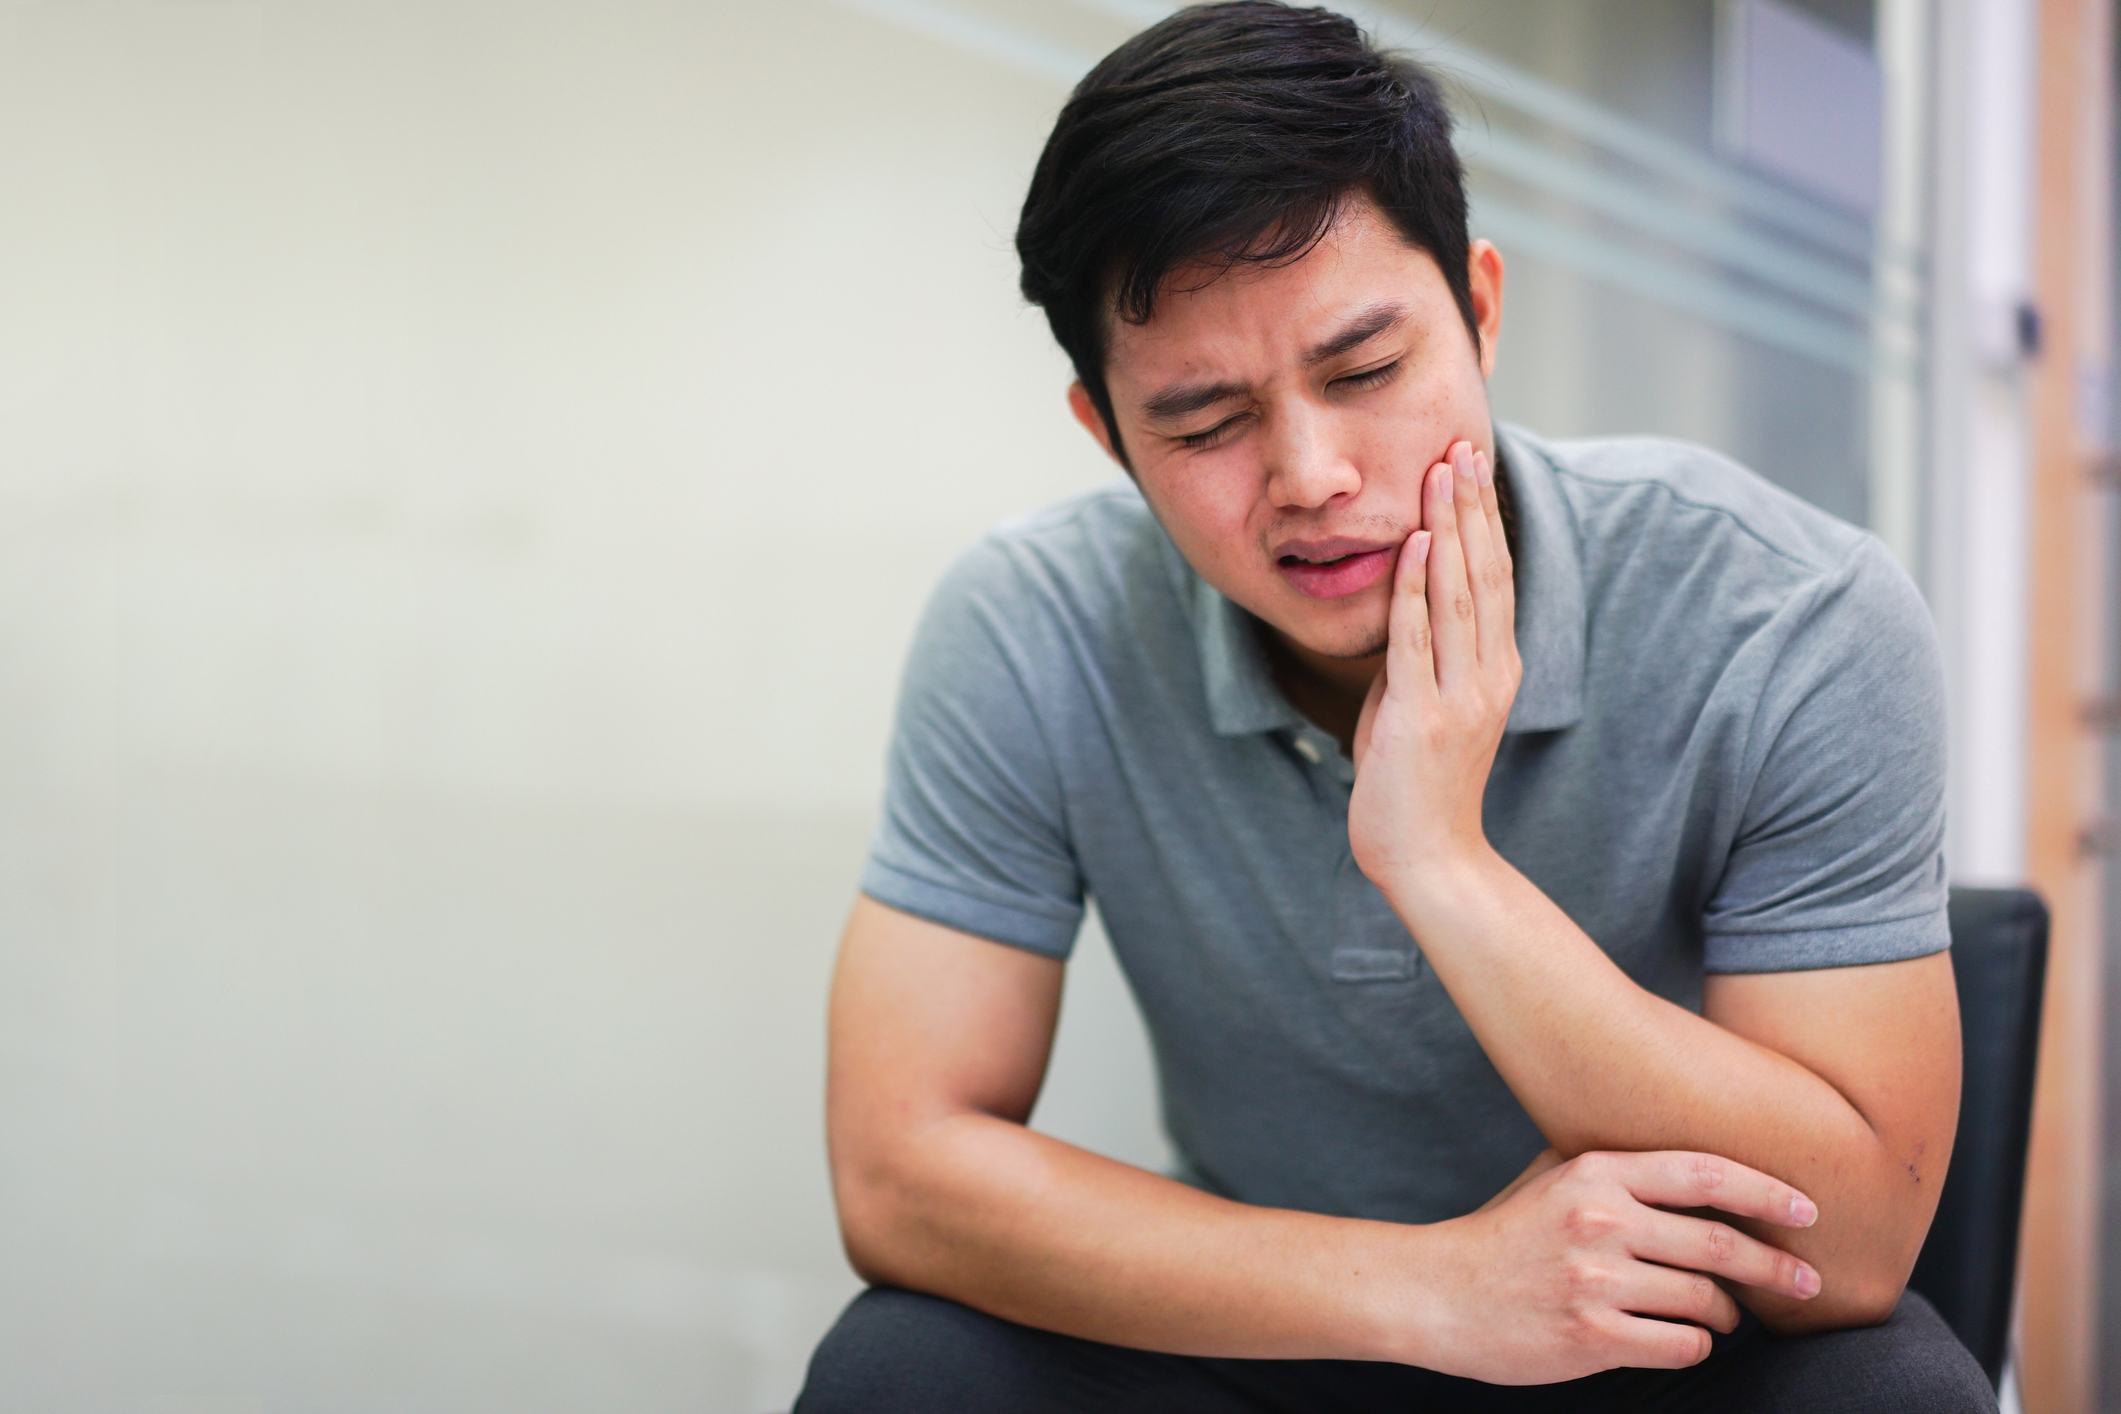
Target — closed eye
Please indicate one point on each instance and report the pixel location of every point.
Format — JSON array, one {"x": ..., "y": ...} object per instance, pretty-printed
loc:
[
  {"x": 1374, "y": 378},
  {"x": 1215, "y": 436}
]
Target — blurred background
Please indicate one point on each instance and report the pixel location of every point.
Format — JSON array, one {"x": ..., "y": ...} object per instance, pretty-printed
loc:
[{"x": 468, "y": 474}]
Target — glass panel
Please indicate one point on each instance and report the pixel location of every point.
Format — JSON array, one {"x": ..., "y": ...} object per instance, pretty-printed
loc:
[{"x": 1654, "y": 286}]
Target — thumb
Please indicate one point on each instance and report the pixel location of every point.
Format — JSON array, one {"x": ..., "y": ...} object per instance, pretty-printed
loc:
[
  {"x": 1409, "y": 656},
  {"x": 1368, "y": 719}
]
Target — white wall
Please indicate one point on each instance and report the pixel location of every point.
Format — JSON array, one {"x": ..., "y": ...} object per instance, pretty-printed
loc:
[
  {"x": 467, "y": 475},
  {"x": 1979, "y": 487}
]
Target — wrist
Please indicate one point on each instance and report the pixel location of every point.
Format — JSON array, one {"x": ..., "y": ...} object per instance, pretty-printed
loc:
[
  {"x": 1404, "y": 1313},
  {"x": 1443, "y": 881}
]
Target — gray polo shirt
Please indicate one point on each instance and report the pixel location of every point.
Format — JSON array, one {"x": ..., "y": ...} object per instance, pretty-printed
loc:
[{"x": 1726, "y": 756}]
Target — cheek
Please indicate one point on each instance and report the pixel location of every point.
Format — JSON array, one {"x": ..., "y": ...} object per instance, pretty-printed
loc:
[
  {"x": 1208, "y": 513},
  {"x": 1430, "y": 414},
  {"x": 1444, "y": 398}
]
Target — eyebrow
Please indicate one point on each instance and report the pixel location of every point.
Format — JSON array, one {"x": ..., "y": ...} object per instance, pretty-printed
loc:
[
  {"x": 1183, "y": 398},
  {"x": 1176, "y": 401},
  {"x": 1359, "y": 331}
]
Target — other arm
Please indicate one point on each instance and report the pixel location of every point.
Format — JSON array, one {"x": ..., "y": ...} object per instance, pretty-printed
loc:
[
  {"x": 939, "y": 1043},
  {"x": 1842, "y": 1082}
]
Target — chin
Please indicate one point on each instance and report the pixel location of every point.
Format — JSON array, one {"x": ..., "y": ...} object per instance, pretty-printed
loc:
[
  {"x": 1371, "y": 647},
  {"x": 1344, "y": 641}
]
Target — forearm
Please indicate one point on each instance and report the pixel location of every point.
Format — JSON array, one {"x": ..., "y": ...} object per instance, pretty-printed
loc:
[
  {"x": 998, "y": 1217},
  {"x": 1601, "y": 1064},
  {"x": 939, "y": 1042}
]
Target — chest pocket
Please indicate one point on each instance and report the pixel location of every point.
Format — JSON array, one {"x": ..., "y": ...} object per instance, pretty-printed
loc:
[
  {"x": 1393, "y": 1012},
  {"x": 1370, "y": 946}
]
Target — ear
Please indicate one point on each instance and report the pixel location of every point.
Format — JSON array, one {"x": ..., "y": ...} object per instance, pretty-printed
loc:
[
  {"x": 1484, "y": 274},
  {"x": 1086, "y": 413}
]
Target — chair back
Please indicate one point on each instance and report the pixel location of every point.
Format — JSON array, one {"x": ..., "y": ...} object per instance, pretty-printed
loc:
[{"x": 1999, "y": 956}]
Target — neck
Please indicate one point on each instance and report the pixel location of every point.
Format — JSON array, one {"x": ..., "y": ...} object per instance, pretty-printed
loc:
[{"x": 1329, "y": 691}]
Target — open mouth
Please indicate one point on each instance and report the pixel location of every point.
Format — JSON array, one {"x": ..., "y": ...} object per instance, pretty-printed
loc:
[{"x": 1333, "y": 576}]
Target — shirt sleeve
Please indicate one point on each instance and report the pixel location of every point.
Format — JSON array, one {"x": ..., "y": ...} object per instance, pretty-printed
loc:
[
  {"x": 1838, "y": 854},
  {"x": 974, "y": 832}
]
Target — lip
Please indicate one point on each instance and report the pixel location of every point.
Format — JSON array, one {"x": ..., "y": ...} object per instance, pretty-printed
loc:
[
  {"x": 1351, "y": 565},
  {"x": 1331, "y": 547}
]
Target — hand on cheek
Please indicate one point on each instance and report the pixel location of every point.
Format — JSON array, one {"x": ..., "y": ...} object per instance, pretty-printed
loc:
[{"x": 1428, "y": 732}]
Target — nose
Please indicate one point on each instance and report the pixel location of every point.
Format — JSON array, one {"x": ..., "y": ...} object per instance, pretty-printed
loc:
[{"x": 1306, "y": 467}]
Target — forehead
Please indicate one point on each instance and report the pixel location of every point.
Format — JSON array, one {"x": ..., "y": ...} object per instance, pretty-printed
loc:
[{"x": 1208, "y": 317}]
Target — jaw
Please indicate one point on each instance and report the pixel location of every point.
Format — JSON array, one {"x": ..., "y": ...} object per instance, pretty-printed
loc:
[{"x": 1341, "y": 641}]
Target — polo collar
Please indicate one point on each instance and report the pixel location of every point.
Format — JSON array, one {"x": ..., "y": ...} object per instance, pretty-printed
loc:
[
  {"x": 1551, "y": 616},
  {"x": 1242, "y": 696}
]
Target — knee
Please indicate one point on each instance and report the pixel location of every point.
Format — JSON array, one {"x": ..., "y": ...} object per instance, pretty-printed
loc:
[
  {"x": 1952, "y": 1384},
  {"x": 887, "y": 1351},
  {"x": 858, "y": 1363},
  {"x": 1916, "y": 1364}
]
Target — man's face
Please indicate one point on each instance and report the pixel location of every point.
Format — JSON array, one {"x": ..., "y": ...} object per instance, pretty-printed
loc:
[{"x": 1280, "y": 421}]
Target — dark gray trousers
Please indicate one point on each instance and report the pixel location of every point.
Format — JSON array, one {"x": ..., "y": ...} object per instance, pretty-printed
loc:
[{"x": 895, "y": 1352}]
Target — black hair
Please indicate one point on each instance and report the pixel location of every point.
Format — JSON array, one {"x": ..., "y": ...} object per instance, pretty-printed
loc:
[{"x": 1230, "y": 133}]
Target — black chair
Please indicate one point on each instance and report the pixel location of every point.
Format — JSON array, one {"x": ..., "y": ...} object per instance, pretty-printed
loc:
[{"x": 1999, "y": 953}]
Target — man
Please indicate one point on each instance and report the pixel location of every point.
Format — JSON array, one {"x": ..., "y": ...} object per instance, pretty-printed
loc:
[{"x": 1525, "y": 855}]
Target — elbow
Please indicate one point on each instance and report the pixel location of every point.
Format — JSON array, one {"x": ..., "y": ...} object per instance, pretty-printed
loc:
[
  {"x": 865, "y": 1231},
  {"x": 1819, "y": 1316},
  {"x": 868, "y": 1198},
  {"x": 1863, "y": 1272},
  {"x": 863, "y": 1242},
  {"x": 1847, "y": 1299},
  {"x": 865, "y": 1260},
  {"x": 1874, "y": 1295}
]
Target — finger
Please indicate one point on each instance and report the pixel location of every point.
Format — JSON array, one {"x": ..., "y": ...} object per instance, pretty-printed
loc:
[
  {"x": 1465, "y": 499},
  {"x": 1484, "y": 572},
  {"x": 1450, "y": 597},
  {"x": 1410, "y": 664},
  {"x": 1503, "y": 623},
  {"x": 1491, "y": 505},
  {"x": 1686, "y": 1296},
  {"x": 1656, "y": 1345},
  {"x": 1707, "y": 1246},
  {"x": 1371, "y": 700},
  {"x": 1678, "y": 1179}
]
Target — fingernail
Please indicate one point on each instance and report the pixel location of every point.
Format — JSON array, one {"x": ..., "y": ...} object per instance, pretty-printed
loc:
[
  {"x": 1421, "y": 547},
  {"x": 1802, "y": 1210},
  {"x": 1445, "y": 486},
  {"x": 1807, "y": 1282},
  {"x": 1481, "y": 467}
]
